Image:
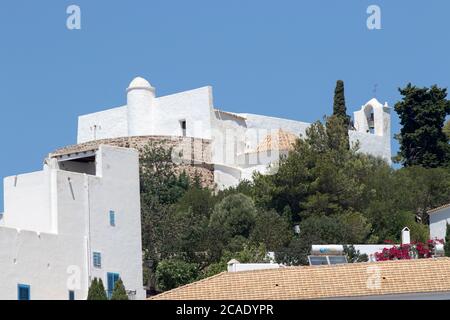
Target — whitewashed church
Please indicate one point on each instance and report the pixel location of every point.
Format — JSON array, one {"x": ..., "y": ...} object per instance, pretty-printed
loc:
[
  {"x": 79, "y": 218},
  {"x": 240, "y": 143}
]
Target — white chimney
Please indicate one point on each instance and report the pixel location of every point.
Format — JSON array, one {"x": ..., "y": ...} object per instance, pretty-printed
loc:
[
  {"x": 232, "y": 265},
  {"x": 406, "y": 238}
]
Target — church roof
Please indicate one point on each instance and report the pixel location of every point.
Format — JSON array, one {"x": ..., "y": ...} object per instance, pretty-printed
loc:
[{"x": 281, "y": 140}]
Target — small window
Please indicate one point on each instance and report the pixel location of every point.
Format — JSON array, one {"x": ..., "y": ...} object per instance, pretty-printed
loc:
[
  {"x": 71, "y": 295},
  {"x": 23, "y": 292},
  {"x": 183, "y": 127},
  {"x": 112, "y": 218},
  {"x": 97, "y": 260}
]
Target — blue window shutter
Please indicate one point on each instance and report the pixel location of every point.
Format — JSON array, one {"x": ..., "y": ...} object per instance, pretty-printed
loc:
[
  {"x": 71, "y": 295},
  {"x": 112, "y": 278},
  {"x": 23, "y": 292},
  {"x": 112, "y": 218},
  {"x": 97, "y": 257}
]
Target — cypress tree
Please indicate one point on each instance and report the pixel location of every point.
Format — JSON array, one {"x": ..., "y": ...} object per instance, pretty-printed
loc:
[
  {"x": 339, "y": 108},
  {"x": 97, "y": 290},
  {"x": 93, "y": 289},
  {"x": 101, "y": 290},
  {"x": 119, "y": 292}
]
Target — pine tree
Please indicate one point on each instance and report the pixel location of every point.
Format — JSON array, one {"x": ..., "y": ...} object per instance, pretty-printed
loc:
[
  {"x": 339, "y": 108},
  {"x": 119, "y": 292},
  {"x": 101, "y": 292},
  {"x": 447, "y": 242},
  {"x": 422, "y": 113},
  {"x": 96, "y": 290},
  {"x": 93, "y": 290}
]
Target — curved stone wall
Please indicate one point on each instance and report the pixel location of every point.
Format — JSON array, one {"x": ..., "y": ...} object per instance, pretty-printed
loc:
[{"x": 195, "y": 153}]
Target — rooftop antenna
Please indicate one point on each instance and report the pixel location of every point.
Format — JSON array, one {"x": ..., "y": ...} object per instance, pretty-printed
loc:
[{"x": 95, "y": 128}]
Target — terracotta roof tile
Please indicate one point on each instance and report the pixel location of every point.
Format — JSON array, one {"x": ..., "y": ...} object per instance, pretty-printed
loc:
[
  {"x": 320, "y": 282},
  {"x": 281, "y": 140}
]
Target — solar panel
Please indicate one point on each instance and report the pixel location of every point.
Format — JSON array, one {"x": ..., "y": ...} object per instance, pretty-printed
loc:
[
  {"x": 337, "y": 259},
  {"x": 317, "y": 260},
  {"x": 326, "y": 260}
]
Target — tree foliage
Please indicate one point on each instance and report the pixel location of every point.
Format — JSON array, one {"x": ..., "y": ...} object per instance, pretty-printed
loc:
[
  {"x": 353, "y": 255},
  {"x": 174, "y": 273},
  {"x": 97, "y": 290},
  {"x": 335, "y": 194},
  {"x": 447, "y": 129},
  {"x": 339, "y": 108},
  {"x": 422, "y": 113},
  {"x": 161, "y": 187},
  {"x": 272, "y": 230},
  {"x": 119, "y": 292}
]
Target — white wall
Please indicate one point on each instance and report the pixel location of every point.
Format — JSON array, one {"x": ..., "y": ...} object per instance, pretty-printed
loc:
[
  {"x": 82, "y": 204},
  {"x": 27, "y": 202},
  {"x": 372, "y": 144},
  {"x": 110, "y": 123},
  {"x": 228, "y": 138},
  {"x": 265, "y": 125},
  {"x": 193, "y": 106},
  {"x": 41, "y": 261},
  {"x": 438, "y": 223},
  {"x": 161, "y": 117},
  {"x": 117, "y": 190},
  {"x": 226, "y": 176},
  {"x": 48, "y": 262}
]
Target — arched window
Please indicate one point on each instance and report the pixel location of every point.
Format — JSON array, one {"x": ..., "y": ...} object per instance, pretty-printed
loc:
[{"x": 368, "y": 111}]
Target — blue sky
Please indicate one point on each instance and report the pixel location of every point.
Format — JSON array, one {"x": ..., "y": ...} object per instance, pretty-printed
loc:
[{"x": 279, "y": 58}]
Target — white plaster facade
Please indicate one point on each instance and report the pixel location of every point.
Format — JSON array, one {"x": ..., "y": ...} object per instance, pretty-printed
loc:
[
  {"x": 439, "y": 218},
  {"x": 234, "y": 136},
  {"x": 55, "y": 220}
]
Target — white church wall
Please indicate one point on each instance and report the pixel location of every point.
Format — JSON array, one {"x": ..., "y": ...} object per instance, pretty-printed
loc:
[
  {"x": 372, "y": 144},
  {"x": 228, "y": 138},
  {"x": 247, "y": 173},
  {"x": 271, "y": 124},
  {"x": 226, "y": 176},
  {"x": 112, "y": 123},
  {"x": 193, "y": 106}
]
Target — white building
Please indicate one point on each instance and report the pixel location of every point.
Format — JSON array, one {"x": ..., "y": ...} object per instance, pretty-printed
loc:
[
  {"x": 439, "y": 218},
  {"x": 77, "y": 219},
  {"x": 240, "y": 143}
]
